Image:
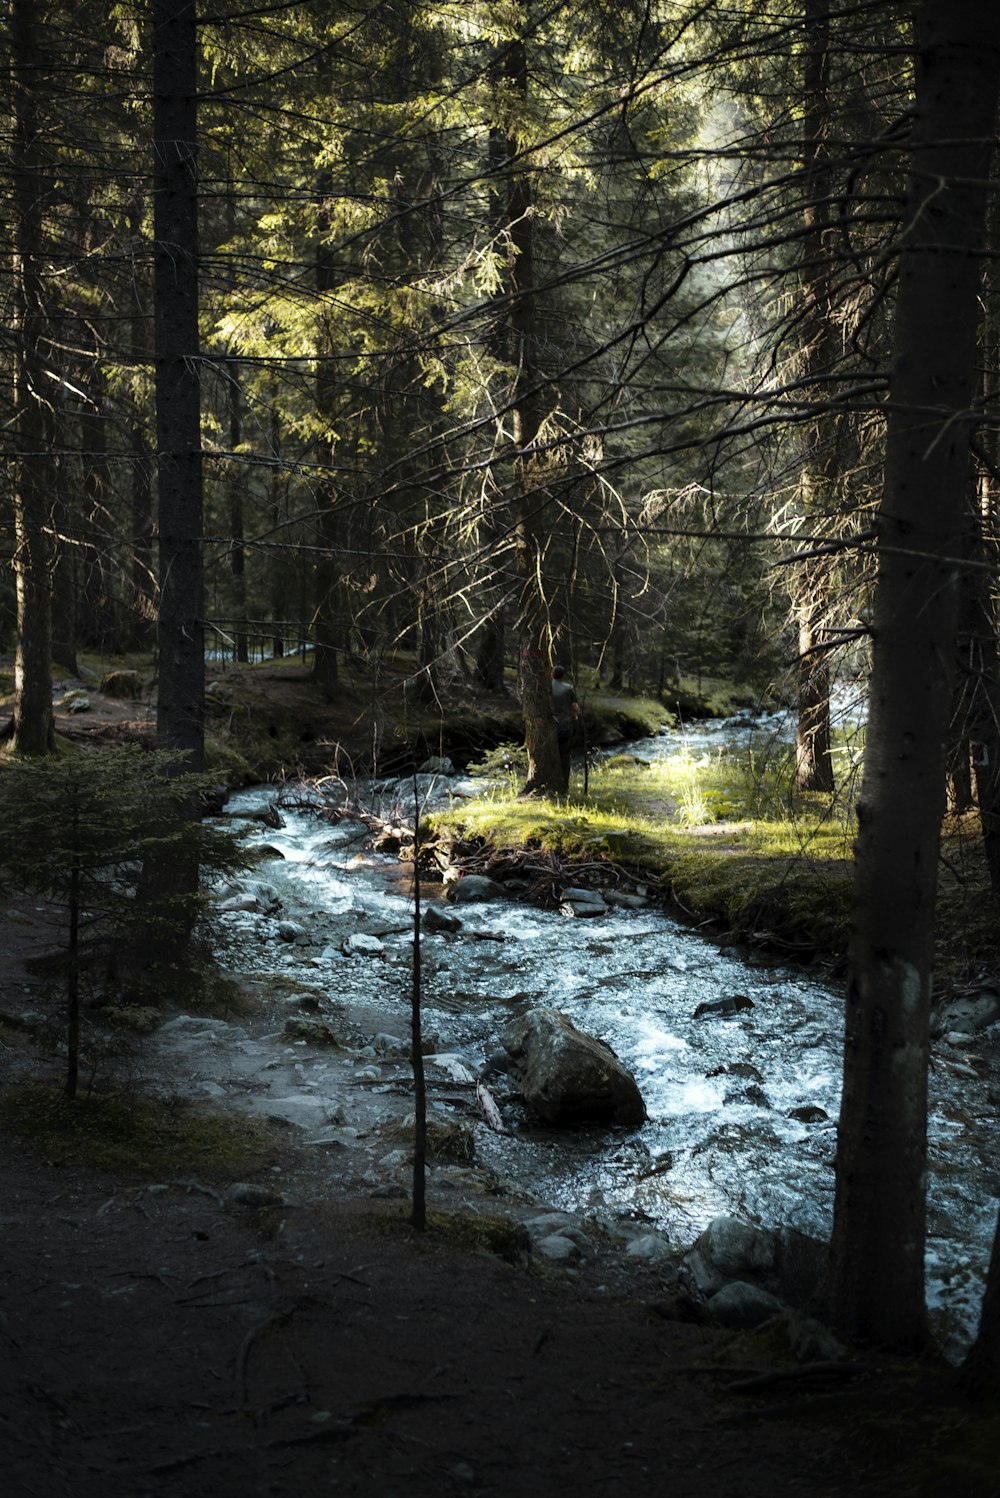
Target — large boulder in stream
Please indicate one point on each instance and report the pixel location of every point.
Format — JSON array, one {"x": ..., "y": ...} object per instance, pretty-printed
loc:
[{"x": 568, "y": 1077}]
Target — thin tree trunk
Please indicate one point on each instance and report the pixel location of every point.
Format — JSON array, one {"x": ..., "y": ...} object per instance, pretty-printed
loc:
[
  {"x": 879, "y": 1214},
  {"x": 97, "y": 611},
  {"x": 32, "y": 726},
  {"x": 139, "y": 631},
  {"x": 278, "y": 582},
  {"x": 980, "y": 1372},
  {"x": 237, "y": 549},
  {"x": 73, "y": 988},
  {"x": 813, "y": 765},
  {"x": 529, "y": 500},
  {"x": 979, "y": 655},
  {"x": 490, "y": 653},
  {"x": 328, "y": 624},
  {"x": 979, "y": 672},
  {"x": 418, "y": 1216},
  {"x": 180, "y": 701},
  {"x": 65, "y": 559}
]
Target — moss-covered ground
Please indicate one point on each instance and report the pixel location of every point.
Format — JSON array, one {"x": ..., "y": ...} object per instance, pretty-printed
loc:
[
  {"x": 725, "y": 838},
  {"x": 733, "y": 847},
  {"x": 135, "y": 1134}
]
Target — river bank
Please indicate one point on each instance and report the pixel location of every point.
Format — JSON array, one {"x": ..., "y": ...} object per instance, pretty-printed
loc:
[
  {"x": 730, "y": 846},
  {"x": 158, "y": 1343},
  {"x": 241, "y": 1318},
  {"x": 275, "y": 1274}
]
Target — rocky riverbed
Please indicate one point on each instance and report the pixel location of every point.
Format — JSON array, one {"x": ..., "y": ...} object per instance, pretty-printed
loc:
[{"x": 737, "y": 1063}]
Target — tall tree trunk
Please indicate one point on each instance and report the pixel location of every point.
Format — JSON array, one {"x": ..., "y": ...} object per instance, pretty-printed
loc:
[
  {"x": 490, "y": 652},
  {"x": 32, "y": 726},
  {"x": 879, "y": 1215},
  {"x": 65, "y": 555},
  {"x": 278, "y": 581},
  {"x": 980, "y": 1372},
  {"x": 813, "y": 765},
  {"x": 979, "y": 654},
  {"x": 328, "y": 627},
  {"x": 530, "y": 503},
  {"x": 979, "y": 674},
  {"x": 180, "y": 701},
  {"x": 98, "y": 609},
  {"x": 237, "y": 534},
  {"x": 141, "y": 574}
]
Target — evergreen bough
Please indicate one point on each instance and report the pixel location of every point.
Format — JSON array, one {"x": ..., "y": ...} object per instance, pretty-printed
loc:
[{"x": 96, "y": 833}]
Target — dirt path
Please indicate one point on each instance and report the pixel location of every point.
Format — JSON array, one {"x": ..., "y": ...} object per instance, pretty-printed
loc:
[{"x": 159, "y": 1342}]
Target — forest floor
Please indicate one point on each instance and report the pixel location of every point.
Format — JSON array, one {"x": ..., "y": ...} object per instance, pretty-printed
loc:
[
  {"x": 156, "y": 1343},
  {"x": 158, "y": 1339}
]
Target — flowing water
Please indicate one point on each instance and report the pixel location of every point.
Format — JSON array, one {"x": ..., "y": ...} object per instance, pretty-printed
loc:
[{"x": 741, "y": 1105}]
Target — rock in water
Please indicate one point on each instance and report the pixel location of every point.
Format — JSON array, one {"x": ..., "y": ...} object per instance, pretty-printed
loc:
[
  {"x": 474, "y": 887},
  {"x": 435, "y": 919},
  {"x": 734, "y": 1005},
  {"x": 568, "y": 1077}
]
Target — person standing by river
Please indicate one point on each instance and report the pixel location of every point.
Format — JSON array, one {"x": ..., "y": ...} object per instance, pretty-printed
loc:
[{"x": 565, "y": 710}]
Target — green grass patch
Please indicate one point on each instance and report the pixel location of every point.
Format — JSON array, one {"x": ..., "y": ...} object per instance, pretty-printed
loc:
[
  {"x": 137, "y": 1135},
  {"x": 728, "y": 839},
  {"x": 697, "y": 826},
  {"x": 96, "y": 664},
  {"x": 632, "y": 717},
  {"x": 467, "y": 1232},
  {"x": 709, "y": 697},
  {"x": 481, "y": 1232}
]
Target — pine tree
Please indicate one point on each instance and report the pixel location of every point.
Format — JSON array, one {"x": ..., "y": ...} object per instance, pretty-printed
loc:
[
  {"x": 879, "y": 1215},
  {"x": 81, "y": 829}
]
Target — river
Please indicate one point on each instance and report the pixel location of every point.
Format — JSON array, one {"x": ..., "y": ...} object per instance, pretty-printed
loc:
[{"x": 741, "y": 1106}]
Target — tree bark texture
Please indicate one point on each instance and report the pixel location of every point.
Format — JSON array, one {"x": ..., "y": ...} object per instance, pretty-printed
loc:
[
  {"x": 531, "y": 504},
  {"x": 879, "y": 1216},
  {"x": 813, "y": 765},
  {"x": 237, "y": 549},
  {"x": 32, "y": 725},
  {"x": 979, "y": 679},
  {"x": 980, "y": 1372},
  {"x": 328, "y": 621},
  {"x": 140, "y": 630},
  {"x": 180, "y": 637}
]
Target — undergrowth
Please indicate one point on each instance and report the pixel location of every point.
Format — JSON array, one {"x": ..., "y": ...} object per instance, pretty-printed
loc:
[
  {"x": 139, "y": 1135},
  {"x": 728, "y": 839}
]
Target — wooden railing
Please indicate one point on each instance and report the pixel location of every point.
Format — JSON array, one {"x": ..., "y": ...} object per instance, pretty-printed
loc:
[{"x": 247, "y": 641}]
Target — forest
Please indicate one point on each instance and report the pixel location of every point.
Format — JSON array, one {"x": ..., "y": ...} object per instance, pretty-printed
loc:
[{"x": 429, "y": 343}]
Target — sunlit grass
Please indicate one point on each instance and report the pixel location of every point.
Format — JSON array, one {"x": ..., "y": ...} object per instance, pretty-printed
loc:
[
  {"x": 730, "y": 841},
  {"x": 725, "y": 836},
  {"x": 749, "y": 801},
  {"x": 659, "y": 809},
  {"x": 570, "y": 828}
]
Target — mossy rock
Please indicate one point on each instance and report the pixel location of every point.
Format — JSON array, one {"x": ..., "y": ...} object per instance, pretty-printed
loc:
[
  {"x": 314, "y": 1032},
  {"x": 449, "y": 1141},
  {"x": 223, "y": 759},
  {"x": 483, "y": 1232}
]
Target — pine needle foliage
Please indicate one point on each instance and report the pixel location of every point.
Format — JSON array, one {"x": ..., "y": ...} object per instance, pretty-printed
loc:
[{"x": 85, "y": 831}]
